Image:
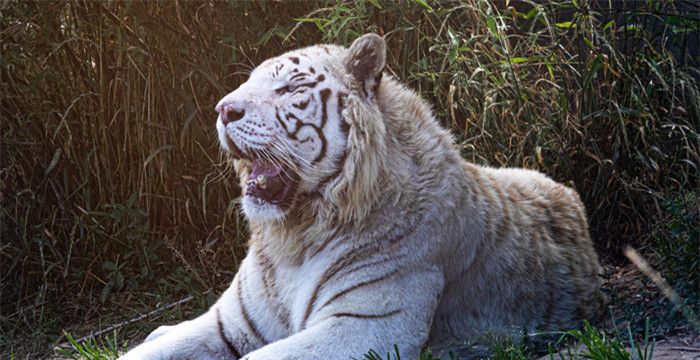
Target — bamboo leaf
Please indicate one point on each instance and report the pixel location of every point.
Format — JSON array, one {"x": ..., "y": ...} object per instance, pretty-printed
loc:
[
  {"x": 424, "y": 4},
  {"x": 156, "y": 152},
  {"x": 566, "y": 25},
  {"x": 376, "y": 4},
  {"x": 109, "y": 265},
  {"x": 54, "y": 161},
  {"x": 491, "y": 24}
]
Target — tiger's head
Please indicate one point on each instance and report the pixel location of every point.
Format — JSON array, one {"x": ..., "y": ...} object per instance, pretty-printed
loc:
[{"x": 294, "y": 129}]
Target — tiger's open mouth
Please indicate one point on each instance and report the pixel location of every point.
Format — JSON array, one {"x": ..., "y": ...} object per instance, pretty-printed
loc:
[{"x": 270, "y": 181}]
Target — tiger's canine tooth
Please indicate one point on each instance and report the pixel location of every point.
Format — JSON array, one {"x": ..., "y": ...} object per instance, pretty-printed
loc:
[{"x": 261, "y": 181}]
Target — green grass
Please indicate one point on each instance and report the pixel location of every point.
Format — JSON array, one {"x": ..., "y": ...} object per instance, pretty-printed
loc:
[
  {"x": 588, "y": 343},
  {"x": 507, "y": 350},
  {"x": 595, "y": 344},
  {"x": 114, "y": 196},
  {"x": 91, "y": 349}
]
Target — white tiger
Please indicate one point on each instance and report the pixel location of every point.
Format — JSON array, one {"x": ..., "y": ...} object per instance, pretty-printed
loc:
[{"x": 369, "y": 229}]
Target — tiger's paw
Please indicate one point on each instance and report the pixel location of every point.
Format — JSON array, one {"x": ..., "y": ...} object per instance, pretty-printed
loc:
[{"x": 160, "y": 331}]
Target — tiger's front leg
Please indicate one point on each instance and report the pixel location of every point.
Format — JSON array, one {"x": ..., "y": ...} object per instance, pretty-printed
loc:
[
  {"x": 213, "y": 335},
  {"x": 396, "y": 313},
  {"x": 194, "y": 339}
]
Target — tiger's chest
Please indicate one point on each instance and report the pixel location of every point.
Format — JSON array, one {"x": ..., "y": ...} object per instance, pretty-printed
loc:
[{"x": 282, "y": 296}]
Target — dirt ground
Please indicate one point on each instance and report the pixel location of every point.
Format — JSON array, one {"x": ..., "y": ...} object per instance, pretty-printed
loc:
[
  {"x": 675, "y": 347},
  {"x": 679, "y": 347}
]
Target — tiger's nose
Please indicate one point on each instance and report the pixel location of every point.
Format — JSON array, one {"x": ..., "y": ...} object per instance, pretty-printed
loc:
[{"x": 230, "y": 113}]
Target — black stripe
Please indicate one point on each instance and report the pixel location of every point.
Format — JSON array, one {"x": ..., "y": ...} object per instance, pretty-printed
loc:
[
  {"x": 377, "y": 82},
  {"x": 291, "y": 116},
  {"x": 229, "y": 345},
  {"x": 339, "y": 169},
  {"x": 359, "y": 285},
  {"x": 338, "y": 265},
  {"x": 378, "y": 261},
  {"x": 328, "y": 240},
  {"x": 309, "y": 85},
  {"x": 348, "y": 258},
  {"x": 344, "y": 126},
  {"x": 298, "y": 75},
  {"x": 325, "y": 94},
  {"x": 277, "y": 69},
  {"x": 324, "y": 145},
  {"x": 302, "y": 105},
  {"x": 342, "y": 262},
  {"x": 267, "y": 269},
  {"x": 279, "y": 119},
  {"x": 246, "y": 316},
  {"x": 367, "y": 316}
]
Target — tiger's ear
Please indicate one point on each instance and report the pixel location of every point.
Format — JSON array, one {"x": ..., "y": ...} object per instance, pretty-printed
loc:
[{"x": 365, "y": 62}]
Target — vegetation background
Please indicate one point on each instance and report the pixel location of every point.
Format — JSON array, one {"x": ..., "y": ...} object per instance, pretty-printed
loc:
[{"x": 115, "y": 197}]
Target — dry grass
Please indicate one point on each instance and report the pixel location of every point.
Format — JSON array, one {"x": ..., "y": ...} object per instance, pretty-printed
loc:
[{"x": 113, "y": 190}]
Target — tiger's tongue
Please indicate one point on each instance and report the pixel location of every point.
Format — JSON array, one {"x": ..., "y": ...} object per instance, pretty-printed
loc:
[{"x": 266, "y": 181}]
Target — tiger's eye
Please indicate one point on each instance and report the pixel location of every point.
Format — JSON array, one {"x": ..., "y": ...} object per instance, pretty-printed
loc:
[{"x": 286, "y": 89}]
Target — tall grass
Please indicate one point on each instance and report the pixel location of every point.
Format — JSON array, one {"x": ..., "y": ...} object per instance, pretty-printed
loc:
[
  {"x": 113, "y": 187},
  {"x": 554, "y": 87},
  {"x": 114, "y": 193}
]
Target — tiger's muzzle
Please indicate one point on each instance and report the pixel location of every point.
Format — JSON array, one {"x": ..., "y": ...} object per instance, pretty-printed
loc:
[{"x": 270, "y": 180}]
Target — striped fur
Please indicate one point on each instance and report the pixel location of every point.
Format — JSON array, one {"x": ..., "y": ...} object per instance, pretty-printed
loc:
[{"x": 390, "y": 237}]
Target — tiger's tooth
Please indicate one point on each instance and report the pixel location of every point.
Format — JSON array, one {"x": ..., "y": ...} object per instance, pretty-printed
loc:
[{"x": 261, "y": 181}]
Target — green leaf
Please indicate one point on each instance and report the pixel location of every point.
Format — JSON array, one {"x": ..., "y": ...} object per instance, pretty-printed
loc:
[
  {"x": 631, "y": 27},
  {"x": 491, "y": 23},
  {"x": 518, "y": 60},
  {"x": 319, "y": 22},
  {"x": 132, "y": 199},
  {"x": 376, "y": 4},
  {"x": 596, "y": 65},
  {"x": 454, "y": 39},
  {"x": 108, "y": 265},
  {"x": 550, "y": 69},
  {"x": 424, "y": 4},
  {"x": 609, "y": 24},
  {"x": 532, "y": 13},
  {"x": 119, "y": 281},
  {"x": 566, "y": 25},
  {"x": 106, "y": 291},
  {"x": 156, "y": 152}
]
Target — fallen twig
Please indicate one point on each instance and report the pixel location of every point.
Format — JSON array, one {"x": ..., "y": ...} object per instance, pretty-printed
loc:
[
  {"x": 130, "y": 321},
  {"x": 683, "y": 348},
  {"x": 657, "y": 279}
]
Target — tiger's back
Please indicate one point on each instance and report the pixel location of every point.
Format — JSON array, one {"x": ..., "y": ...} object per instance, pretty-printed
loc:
[{"x": 534, "y": 267}]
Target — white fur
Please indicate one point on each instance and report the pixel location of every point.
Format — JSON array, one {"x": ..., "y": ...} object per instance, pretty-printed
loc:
[
  {"x": 433, "y": 250},
  {"x": 261, "y": 210}
]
